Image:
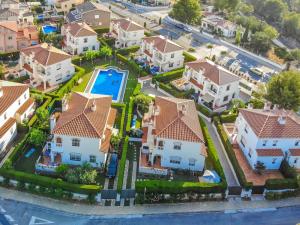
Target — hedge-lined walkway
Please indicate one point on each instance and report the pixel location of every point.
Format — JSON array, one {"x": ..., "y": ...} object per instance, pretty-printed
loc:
[{"x": 225, "y": 162}]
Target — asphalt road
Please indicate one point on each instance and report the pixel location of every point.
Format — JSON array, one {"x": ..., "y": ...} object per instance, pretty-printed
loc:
[{"x": 27, "y": 214}]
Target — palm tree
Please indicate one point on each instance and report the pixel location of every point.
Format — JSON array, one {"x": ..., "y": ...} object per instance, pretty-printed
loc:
[
  {"x": 210, "y": 46},
  {"x": 105, "y": 51}
]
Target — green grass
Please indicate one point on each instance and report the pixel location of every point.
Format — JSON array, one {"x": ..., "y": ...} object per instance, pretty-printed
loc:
[
  {"x": 81, "y": 87},
  {"x": 138, "y": 123}
]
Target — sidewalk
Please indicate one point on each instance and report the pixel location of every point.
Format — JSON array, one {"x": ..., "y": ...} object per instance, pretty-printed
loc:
[{"x": 82, "y": 209}]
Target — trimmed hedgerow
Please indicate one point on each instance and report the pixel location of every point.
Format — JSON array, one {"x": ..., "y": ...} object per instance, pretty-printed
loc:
[
  {"x": 280, "y": 184},
  {"x": 188, "y": 57},
  {"x": 122, "y": 163},
  {"x": 127, "y": 51},
  {"x": 169, "y": 76}
]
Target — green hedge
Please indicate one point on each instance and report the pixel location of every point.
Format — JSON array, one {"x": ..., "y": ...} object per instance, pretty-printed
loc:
[
  {"x": 229, "y": 118},
  {"x": 122, "y": 164},
  {"x": 279, "y": 184},
  {"x": 49, "y": 182},
  {"x": 132, "y": 65},
  {"x": 169, "y": 76},
  {"x": 101, "y": 31},
  {"x": 127, "y": 51},
  {"x": 177, "y": 187},
  {"x": 211, "y": 150},
  {"x": 9, "y": 56},
  {"x": 67, "y": 87},
  {"x": 230, "y": 152},
  {"x": 137, "y": 89},
  {"x": 188, "y": 57},
  {"x": 20, "y": 79},
  {"x": 18, "y": 149},
  {"x": 43, "y": 106},
  {"x": 122, "y": 108},
  {"x": 205, "y": 111},
  {"x": 129, "y": 114},
  {"x": 171, "y": 90}
]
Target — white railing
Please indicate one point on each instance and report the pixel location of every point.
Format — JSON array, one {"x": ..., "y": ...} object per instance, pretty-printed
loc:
[{"x": 155, "y": 171}]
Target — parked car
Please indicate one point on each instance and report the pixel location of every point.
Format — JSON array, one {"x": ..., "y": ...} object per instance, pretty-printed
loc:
[
  {"x": 111, "y": 170},
  {"x": 179, "y": 25},
  {"x": 188, "y": 29}
]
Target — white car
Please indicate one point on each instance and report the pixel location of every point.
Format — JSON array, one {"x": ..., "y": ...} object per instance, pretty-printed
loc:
[{"x": 187, "y": 29}]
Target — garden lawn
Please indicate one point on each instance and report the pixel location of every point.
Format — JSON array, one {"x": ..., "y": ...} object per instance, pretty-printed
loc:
[{"x": 85, "y": 80}]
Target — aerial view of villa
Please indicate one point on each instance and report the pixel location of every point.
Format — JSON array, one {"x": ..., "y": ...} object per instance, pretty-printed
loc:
[{"x": 134, "y": 112}]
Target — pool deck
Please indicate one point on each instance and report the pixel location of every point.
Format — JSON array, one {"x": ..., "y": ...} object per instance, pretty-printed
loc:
[{"x": 122, "y": 87}]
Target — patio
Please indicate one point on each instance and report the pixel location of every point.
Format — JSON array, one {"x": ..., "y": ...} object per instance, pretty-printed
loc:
[{"x": 250, "y": 174}]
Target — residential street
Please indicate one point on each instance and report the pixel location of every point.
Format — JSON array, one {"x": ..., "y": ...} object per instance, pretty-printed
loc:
[{"x": 27, "y": 214}]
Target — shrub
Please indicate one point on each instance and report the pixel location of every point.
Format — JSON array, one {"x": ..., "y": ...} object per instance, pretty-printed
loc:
[
  {"x": 137, "y": 89},
  {"x": 45, "y": 105},
  {"x": 121, "y": 108},
  {"x": 36, "y": 137},
  {"x": 287, "y": 170},
  {"x": 127, "y": 51},
  {"x": 132, "y": 65},
  {"x": 188, "y": 57},
  {"x": 172, "y": 91},
  {"x": 49, "y": 182},
  {"x": 280, "y": 184},
  {"x": 231, "y": 154},
  {"x": 101, "y": 31},
  {"x": 129, "y": 114},
  {"x": 9, "y": 56},
  {"x": 169, "y": 76},
  {"x": 280, "y": 195},
  {"x": 122, "y": 163},
  {"x": 205, "y": 111},
  {"x": 229, "y": 118},
  {"x": 142, "y": 102}
]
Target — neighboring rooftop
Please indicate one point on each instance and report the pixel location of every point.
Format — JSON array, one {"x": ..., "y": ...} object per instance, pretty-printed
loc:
[
  {"x": 46, "y": 54},
  {"x": 219, "y": 21},
  {"x": 11, "y": 92},
  {"x": 87, "y": 115},
  {"x": 80, "y": 29},
  {"x": 163, "y": 44},
  {"x": 127, "y": 24},
  {"x": 267, "y": 123},
  {"x": 213, "y": 72}
]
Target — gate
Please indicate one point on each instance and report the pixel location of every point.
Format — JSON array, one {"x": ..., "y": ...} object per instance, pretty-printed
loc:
[
  {"x": 129, "y": 193},
  {"x": 234, "y": 190},
  {"x": 258, "y": 190},
  {"x": 108, "y": 194}
]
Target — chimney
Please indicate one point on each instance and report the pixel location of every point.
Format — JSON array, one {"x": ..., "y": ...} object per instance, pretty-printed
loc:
[
  {"x": 93, "y": 107},
  {"x": 52, "y": 122},
  {"x": 1, "y": 90},
  {"x": 183, "y": 109},
  {"x": 250, "y": 106},
  {"x": 276, "y": 107},
  {"x": 156, "y": 110},
  {"x": 267, "y": 106},
  {"x": 65, "y": 104},
  {"x": 282, "y": 118}
]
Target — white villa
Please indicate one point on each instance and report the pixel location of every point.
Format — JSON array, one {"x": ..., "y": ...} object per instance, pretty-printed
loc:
[
  {"x": 214, "y": 85},
  {"x": 172, "y": 137},
  {"x": 81, "y": 133},
  {"x": 46, "y": 65},
  {"x": 268, "y": 135},
  {"x": 162, "y": 53},
  {"x": 15, "y": 106},
  {"x": 219, "y": 25},
  {"x": 127, "y": 33},
  {"x": 79, "y": 38}
]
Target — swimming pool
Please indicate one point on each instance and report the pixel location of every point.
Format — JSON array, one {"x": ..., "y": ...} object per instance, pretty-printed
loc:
[
  {"x": 110, "y": 81},
  {"x": 48, "y": 29}
]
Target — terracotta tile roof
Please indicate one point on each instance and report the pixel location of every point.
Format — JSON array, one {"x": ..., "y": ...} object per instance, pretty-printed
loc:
[
  {"x": 11, "y": 25},
  {"x": 80, "y": 29},
  {"x": 163, "y": 44},
  {"x": 46, "y": 54},
  {"x": 269, "y": 152},
  {"x": 177, "y": 119},
  {"x": 80, "y": 120},
  {"x": 194, "y": 82},
  {"x": 6, "y": 126},
  {"x": 25, "y": 106},
  {"x": 294, "y": 152},
  {"x": 11, "y": 92},
  {"x": 28, "y": 68},
  {"x": 127, "y": 25},
  {"x": 213, "y": 72},
  {"x": 265, "y": 123}
]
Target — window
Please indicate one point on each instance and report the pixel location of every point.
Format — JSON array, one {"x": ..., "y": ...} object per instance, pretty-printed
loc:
[
  {"x": 250, "y": 152},
  {"x": 243, "y": 141},
  {"x": 19, "y": 102},
  {"x": 297, "y": 143},
  {"x": 265, "y": 142},
  {"x": 85, "y": 48},
  {"x": 75, "y": 156},
  {"x": 172, "y": 55},
  {"x": 5, "y": 116},
  {"x": 177, "y": 146},
  {"x": 25, "y": 96},
  {"x": 274, "y": 160},
  {"x": 233, "y": 95},
  {"x": 161, "y": 145},
  {"x": 11, "y": 130},
  {"x": 58, "y": 141},
  {"x": 93, "y": 47},
  {"x": 96, "y": 16},
  {"x": 192, "y": 162},
  {"x": 175, "y": 160},
  {"x": 225, "y": 99},
  {"x": 228, "y": 88},
  {"x": 275, "y": 143},
  {"x": 92, "y": 158},
  {"x": 58, "y": 66},
  {"x": 10, "y": 38},
  {"x": 75, "y": 142},
  {"x": 246, "y": 129},
  {"x": 171, "y": 64},
  {"x": 85, "y": 40},
  {"x": 296, "y": 160}
]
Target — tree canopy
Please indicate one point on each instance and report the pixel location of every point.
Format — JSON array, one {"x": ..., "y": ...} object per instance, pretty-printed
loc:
[
  {"x": 284, "y": 90},
  {"x": 187, "y": 11},
  {"x": 36, "y": 137}
]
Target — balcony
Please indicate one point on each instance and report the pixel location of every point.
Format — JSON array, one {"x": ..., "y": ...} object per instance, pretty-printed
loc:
[{"x": 49, "y": 160}]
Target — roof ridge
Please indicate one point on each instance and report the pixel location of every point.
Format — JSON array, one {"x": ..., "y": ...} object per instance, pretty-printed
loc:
[
  {"x": 265, "y": 123},
  {"x": 94, "y": 128}
]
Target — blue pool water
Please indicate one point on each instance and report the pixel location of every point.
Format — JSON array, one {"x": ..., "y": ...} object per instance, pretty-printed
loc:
[
  {"x": 109, "y": 82},
  {"x": 48, "y": 29}
]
